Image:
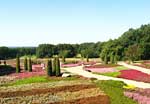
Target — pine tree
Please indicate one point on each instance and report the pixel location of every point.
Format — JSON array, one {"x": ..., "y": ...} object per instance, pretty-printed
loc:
[
  {"x": 54, "y": 66},
  {"x": 49, "y": 68},
  {"x": 18, "y": 64},
  {"x": 25, "y": 64},
  {"x": 30, "y": 65},
  {"x": 57, "y": 66},
  {"x": 87, "y": 58}
]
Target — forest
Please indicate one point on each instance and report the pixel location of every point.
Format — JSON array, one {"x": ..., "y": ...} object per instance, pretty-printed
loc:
[{"x": 133, "y": 44}]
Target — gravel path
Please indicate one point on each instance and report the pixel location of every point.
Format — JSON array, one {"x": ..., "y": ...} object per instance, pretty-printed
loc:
[
  {"x": 79, "y": 71},
  {"x": 144, "y": 70}
]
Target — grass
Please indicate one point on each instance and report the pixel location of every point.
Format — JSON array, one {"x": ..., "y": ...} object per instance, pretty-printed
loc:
[
  {"x": 112, "y": 74},
  {"x": 39, "y": 79},
  {"x": 114, "y": 89},
  {"x": 121, "y": 68}
]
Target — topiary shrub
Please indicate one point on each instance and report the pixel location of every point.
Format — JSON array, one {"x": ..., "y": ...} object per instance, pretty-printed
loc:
[
  {"x": 30, "y": 65},
  {"x": 49, "y": 68},
  {"x": 54, "y": 66},
  {"x": 18, "y": 64},
  {"x": 25, "y": 64},
  {"x": 87, "y": 58},
  {"x": 57, "y": 66}
]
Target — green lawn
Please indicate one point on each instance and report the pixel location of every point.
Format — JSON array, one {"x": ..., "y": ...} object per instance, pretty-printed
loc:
[
  {"x": 121, "y": 68},
  {"x": 114, "y": 89},
  {"x": 112, "y": 74},
  {"x": 39, "y": 79}
]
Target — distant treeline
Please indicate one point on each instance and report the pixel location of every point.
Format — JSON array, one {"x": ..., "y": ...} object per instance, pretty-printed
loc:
[{"x": 133, "y": 44}]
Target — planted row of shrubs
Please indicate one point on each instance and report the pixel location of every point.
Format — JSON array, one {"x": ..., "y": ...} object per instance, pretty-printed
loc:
[
  {"x": 53, "y": 67},
  {"x": 27, "y": 65}
]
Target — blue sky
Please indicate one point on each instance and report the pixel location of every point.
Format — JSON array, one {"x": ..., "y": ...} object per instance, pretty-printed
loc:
[{"x": 32, "y": 22}]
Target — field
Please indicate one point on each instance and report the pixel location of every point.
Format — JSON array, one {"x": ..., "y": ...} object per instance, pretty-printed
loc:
[{"x": 37, "y": 88}]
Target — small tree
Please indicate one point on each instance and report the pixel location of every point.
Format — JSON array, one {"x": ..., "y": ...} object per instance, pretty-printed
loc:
[
  {"x": 133, "y": 52},
  {"x": 112, "y": 58},
  {"x": 57, "y": 66},
  {"x": 25, "y": 64},
  {"x": 18, "y": 64},
  {"x": 63, "y": 59},
  {"x": 87, "y": 58},
  {"x": 54, "y": 66},
  {"x": 49, "y": 68},
  {"x": 30, "y": 65},
  {"x": 106, "y": 59},
  {"x": 115, "y": 59}
]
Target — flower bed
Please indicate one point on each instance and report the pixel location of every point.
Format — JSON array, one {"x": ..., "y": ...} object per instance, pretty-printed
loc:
[
  {"x": 37, "y": 70},
  {"x": 102, "y": 66},
  {"x": 134, "y": 75},
  {"x": 142, "y": 96},
  {"x": 101, "y": 70},
  {"x": 89, "y": 63},
  {"x": 70, "y": 65},
  {"x": 143, "y": 65}
]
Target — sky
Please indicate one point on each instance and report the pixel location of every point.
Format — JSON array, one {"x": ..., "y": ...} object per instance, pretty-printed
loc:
[{"x": 34, "y": 22}]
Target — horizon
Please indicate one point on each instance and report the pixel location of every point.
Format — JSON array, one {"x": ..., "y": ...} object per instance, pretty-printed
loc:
[{"x": 28, "y": 23}]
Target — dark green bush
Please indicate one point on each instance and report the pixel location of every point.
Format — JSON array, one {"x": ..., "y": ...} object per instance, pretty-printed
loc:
[
  {"x": 30, "y": 65},
  {"x": 25, "y": 64},
  {"x": 54, "y": 66},
  {"x": 57, "y": 66},
  {"x": 87, "y": 58},
  {"x": 49, "y": 68},
  {"x": 18, "y": 64}
]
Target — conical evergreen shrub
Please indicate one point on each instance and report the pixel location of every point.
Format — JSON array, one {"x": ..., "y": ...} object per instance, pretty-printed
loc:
[
  {"x": 18, "y": 64},
  {"x": 57, "y": 66},
  {"x": 30, "y": 65},
  {"x": 87, "y": 58},
  {"x": 25, "y": 64},
  {"x": 49, "y": 68},
  {"x": 54, "y": 66}
]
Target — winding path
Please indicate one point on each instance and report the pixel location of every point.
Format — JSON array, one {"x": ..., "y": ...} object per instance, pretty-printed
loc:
[{"x": 79, "y": 71}]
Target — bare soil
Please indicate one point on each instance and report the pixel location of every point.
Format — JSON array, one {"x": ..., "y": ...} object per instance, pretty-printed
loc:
[
  {"x": 72, "y": 88},
  {"x": 100, "y": 99}
]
